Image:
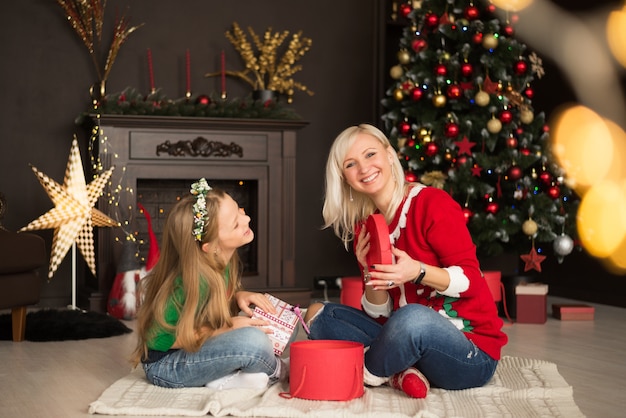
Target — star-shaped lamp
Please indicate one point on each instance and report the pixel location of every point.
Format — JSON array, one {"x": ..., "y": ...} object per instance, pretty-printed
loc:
[
  {"x": 532, "y": 260},
  {"x": 74, "y": 215}
]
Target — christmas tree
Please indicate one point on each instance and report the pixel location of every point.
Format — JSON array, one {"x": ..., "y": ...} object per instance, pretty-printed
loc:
[{"x": 460, "y": 114}]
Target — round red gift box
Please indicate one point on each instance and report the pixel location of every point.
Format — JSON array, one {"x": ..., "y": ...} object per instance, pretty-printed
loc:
[{"x": 326, "y": 370}]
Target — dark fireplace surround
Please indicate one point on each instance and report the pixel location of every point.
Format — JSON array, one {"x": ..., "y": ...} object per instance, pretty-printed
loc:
[{"x": 148, "y": 151}]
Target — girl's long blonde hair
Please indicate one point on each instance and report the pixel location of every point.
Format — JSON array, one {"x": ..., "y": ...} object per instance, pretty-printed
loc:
[
  {"x": 339, "y": 211},
  {"x": 182, "y": 256}
]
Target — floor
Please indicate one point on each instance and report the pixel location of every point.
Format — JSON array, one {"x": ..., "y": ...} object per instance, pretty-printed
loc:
[{"x": 60, "y": 379}]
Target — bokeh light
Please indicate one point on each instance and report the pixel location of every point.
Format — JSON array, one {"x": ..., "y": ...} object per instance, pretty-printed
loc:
[
  {"x": 512, "y": 5},
  {"x": 583, "y": 146},
  {"x": 616, "y": 34}
]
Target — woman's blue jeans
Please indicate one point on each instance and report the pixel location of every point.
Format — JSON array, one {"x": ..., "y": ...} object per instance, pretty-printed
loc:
[
  {"x": 414, "y": 335},
  {"x": 247, "y": 349}
]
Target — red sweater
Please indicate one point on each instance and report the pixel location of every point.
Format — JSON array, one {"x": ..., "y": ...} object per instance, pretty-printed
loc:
[{"x": 430, "y": 227}]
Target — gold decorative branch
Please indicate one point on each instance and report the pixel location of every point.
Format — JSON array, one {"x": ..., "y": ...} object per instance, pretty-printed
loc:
[
  {"x": 264, "y": 70},
  {"x": 87, "y": 19}
]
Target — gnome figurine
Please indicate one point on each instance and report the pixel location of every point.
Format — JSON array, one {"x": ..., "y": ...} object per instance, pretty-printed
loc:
[{"x": 123, "y": 298}]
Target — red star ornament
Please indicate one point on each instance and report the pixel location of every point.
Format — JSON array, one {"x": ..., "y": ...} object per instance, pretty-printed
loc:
[
  {"x": 476, "y": 170},
  {"x": 532, "y": 260},
  {"x": 465, "y": 146},
  {"x": 490, "y": 86}
]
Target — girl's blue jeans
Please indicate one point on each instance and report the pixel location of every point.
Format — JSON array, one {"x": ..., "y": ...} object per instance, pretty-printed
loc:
[
  {"x": 247, "y": 349},
  {"x": 414, "y": 335}
]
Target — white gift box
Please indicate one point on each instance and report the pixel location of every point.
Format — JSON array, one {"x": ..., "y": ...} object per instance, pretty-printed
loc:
[{"x": 283, "y": 323}]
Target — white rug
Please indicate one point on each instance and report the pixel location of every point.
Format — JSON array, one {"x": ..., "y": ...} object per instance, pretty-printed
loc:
[{"x": 520, "y": 388}]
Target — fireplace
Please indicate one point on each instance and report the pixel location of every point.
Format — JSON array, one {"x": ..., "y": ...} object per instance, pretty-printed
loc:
[{"x": 157, "y": 158}]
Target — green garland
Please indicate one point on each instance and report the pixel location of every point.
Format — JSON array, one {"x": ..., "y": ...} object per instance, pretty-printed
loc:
[{"x": 131, "y": 102}]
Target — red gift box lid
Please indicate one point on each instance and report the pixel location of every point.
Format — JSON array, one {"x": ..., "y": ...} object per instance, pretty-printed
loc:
[{"x": 380, "y": 245}]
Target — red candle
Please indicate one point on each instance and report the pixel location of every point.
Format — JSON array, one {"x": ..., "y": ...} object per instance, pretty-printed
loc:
[
  {"x": 223, "y": 75},
  {"x": 188, "y": 66},
  {"x": 150, "y": 70}
]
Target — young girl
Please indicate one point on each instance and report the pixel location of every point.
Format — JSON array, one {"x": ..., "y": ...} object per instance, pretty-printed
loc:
[
  {"x": 190, "y": 333},
  {"x": 428, "y": 318}
]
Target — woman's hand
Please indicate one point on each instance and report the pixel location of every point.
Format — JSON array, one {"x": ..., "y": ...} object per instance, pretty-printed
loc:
[
  {"x": 362, "y": 248},
  {"x": 386, "y": 276},
  {"x": 245, "y": 299}
]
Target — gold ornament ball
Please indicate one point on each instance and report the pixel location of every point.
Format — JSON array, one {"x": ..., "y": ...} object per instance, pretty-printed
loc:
[
  {"x": 482, "y": 98},
  {"x": 404, "y": 57},
  {"x": 494, "y": 126},
  {"x": 398, "y": 95},
  {"x": 439, "y": 100},
  {"x": 396, "y": 72},
  {"x": 423, "y": 132},
  {"x": 490, "y": 41},
  {"x": 526, "y": 116},
  {"x": 529, "y": 227}
]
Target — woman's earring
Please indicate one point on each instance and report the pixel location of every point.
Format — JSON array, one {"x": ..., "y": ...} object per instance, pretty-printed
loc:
[{"x": 351, "y": 199}]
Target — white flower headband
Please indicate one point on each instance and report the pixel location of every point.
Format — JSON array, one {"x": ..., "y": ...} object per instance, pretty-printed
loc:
[{"x": 200, "y": 190}]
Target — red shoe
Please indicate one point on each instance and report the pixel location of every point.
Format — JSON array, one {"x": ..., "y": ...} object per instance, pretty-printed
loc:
[{"x": 411, "y": 382}]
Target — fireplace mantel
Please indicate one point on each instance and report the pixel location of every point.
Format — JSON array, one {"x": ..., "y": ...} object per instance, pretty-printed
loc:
[{"x": 187, "y": 148}]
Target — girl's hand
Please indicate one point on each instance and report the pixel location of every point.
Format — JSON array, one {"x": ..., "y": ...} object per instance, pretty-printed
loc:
[
  {"x": 245, "y": 299},
  {"x": 244, "y": 321}
]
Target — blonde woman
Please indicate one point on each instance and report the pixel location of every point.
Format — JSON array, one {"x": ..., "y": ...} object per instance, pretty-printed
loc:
[
  {"x": 190, "y": 332},
  {"x": 428, "y": 318}
]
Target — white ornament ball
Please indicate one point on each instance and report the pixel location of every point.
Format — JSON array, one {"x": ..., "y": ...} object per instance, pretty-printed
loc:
[
  {"x": 494, "y": 125},
  {"x": 529, "y": 227},
  {"x": 482, "y": 98},
  {"x": 563, "y": 245}
]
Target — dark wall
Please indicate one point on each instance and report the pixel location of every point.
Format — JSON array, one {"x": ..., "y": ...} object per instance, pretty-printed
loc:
[{"x": 46, "y": 72}]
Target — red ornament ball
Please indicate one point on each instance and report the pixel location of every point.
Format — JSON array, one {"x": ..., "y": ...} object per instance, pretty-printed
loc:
[
  {"x": 441, "y": 70},
  {"x": 506, "y": 116},
  {"x": 520, "y": 67},
  {"x": 405, "y": 9},
  {"x": 410, "y": 176},
  {"x": 416, "y": 94},
  {"x": 418, "y": 45},
  {"x": 454, "y": 92},
  {"x": 467, "y": 69},
  {"x": 477, "y": 38},
  {"x": 405, "y": 128},
  {"x": 431, "y": 149},
  {"x": 529, "y": 92},
  {"x": 471, "y": 13},
  {"x": 203, "y": 99},
  {"x": 461, "y": 160},
  {"x": 432, "y": 20},
  {"x": 451, "y": 130},
  {"x": 467, "y": 214},
  {"x": 410, "y": 143},
  {"x": 511, "y": 142},
  {"x": 491, "y": 7},
  {"x": 525, "y": 151},
  {"x": 515, "y": 173},
  {"x": 545, "y": 177},
  {"x": 492, "y": 207},
  {"x": 508, "y": 30},
  {"x": 554, "y": 192}
]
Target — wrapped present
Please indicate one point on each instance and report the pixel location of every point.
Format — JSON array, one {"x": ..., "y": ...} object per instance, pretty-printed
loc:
[
  {"x": 283, "y": 323},
  {"x": 573, "y": 312},
  {"x": 531, "y": 303}
]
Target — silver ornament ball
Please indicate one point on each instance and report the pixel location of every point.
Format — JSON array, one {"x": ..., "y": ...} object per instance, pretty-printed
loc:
[{"x": 563, "y": 245}]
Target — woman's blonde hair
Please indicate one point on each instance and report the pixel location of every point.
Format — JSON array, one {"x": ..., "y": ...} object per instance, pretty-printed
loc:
[
  {"x": 343, "y": 207},
  {"x": 182, "y": 256}
]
